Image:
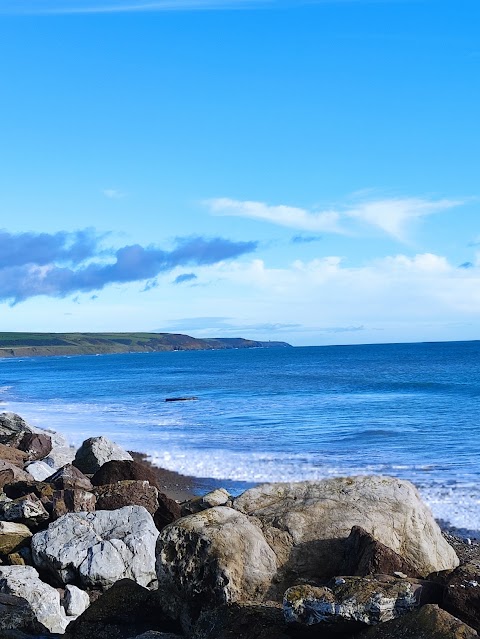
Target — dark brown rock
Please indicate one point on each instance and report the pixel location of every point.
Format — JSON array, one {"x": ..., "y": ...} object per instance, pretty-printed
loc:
[
  {"x": 22, "y": 488},
  {"x": 462, "y": 594},
  {"x": 429, "y": 622},
  {"x": 241, "y": 621},
  {"x": 69, "y": 477},
  {"x": 125, "y": 610},
  {"x": 364, "y": 555},
  {"x": 72, "y": 500},
  {"x": 127, "y": 493},
  {"x": 13, "y": 455},
  {"x": 10, "y": 472},
  {"x": 168, "y": 510},
  {"x": 35, "y": 445},
  {"x": 122, "y": 470}
]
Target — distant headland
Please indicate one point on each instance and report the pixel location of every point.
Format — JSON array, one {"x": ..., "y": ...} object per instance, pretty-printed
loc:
[{"x": 48, "y": 344}]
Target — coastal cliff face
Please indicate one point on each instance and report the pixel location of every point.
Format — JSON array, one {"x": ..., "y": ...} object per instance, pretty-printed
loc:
[
  {"x": 50, "y": 344},
  {"x": 96, "y": 549}
]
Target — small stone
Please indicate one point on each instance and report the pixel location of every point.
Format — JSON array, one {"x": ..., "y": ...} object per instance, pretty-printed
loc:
[{"x": 76, "y": 601}]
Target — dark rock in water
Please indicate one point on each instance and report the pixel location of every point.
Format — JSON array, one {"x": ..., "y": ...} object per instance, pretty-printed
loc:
[
  {"x": 241, "y": 621},
  {"x": 12, "y": 429},
  {"x": 13, "y": 455},
  {"x": 69, "y": 477},
  {"x": 429, "y": 622},
  {"x": 181, "y": 399},
  {"x": 127, "y": 493},
  {"x": 462, "y": 594},
  {"x": 364, "y": 555},
  {"x": 122, "y": 470},
  {"x": 125, "y": 610},
  {"x": 168, "y": 511},
  {"x": 96, "y": 451},
  {"x": 36, "y": 445},
  {"x": 72, "y": 500}
]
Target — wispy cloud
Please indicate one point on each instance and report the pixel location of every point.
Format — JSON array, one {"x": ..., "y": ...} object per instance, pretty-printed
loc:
[
  {"x": 63, "y": 263},
  {"x": 185, "y": 277},
  {"x": 393, "y": 216},
  {"x": 281, "y": 214},
  {"x": 305, "y": 239},
  {"x": 113, "y": 194},
  {"x": 130, "y": 6}
]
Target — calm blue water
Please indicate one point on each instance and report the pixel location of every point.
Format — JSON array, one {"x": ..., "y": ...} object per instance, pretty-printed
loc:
[{"x": 409, "y": 410}]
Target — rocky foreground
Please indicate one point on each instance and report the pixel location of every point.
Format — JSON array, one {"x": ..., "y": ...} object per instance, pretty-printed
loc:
[{"x": 90, "y": 547}]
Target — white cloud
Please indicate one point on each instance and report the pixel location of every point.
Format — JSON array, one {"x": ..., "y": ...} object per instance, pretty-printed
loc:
[
  {"x": 391, "y": 215},
  {"x": 394, "y": 215},
  {"x": 290, "y": 216},
  {"x": 113, "y": 194}
]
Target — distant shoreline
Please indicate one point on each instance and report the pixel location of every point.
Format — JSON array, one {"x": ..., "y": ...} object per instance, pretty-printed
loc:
[{"x": 14, "y": 345}]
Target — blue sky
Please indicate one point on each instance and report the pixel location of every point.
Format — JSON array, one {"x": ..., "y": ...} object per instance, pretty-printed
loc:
[{"x": 304, "y": 171}]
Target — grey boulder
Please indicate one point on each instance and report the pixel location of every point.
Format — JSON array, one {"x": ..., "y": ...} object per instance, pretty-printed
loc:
[
  {"x": 96, "y": 451},
  {"x": 97, "y": 549}
]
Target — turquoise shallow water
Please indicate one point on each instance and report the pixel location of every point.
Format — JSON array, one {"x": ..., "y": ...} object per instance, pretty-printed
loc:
[{"x": 409, "y": 410}]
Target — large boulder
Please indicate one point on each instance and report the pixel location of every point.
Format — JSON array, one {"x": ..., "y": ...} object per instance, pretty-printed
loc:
[
  {"x": 96, "y": 451},
  {"x": 13, "y": 455},
  {"x": 27, "y": 510},
  {"x": 69, "y": 477},
  {"x": 12, "y": 429},
  {"x": 44, "y": 601},
  {"x": 97, "y": 549},
  {"x": 210, "y": 558},
  {"x": 36, "y": 445},
  {"x": 307, "y": 523},
  {"x": 72, "y": 500},
  {"x": 429, "y": 622},
  {"x": 11, "y": 473}
]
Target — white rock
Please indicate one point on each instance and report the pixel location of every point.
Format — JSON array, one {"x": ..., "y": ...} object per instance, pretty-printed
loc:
[
  {"x": 60, "y": 456},
  {"x": 23, "y": 581},
  {"x": 99, "y": 548},
  {"x": 96, "y": 451},
  {"x": 308, "y": 522},
  {"x": 39, "y": 470},
  {"x": 76, "y": 601}
]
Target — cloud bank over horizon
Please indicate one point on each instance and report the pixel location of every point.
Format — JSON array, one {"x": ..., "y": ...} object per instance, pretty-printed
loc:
[{"x": 63, "y": 263}]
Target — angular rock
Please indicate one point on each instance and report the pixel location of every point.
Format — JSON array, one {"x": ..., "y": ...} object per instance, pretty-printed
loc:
[
  {"x": 11, "y": 473},
  {"x": 96, "y": 451},
  {"x": 27, "y": 510},
  {"x": 12, "y": 429},
  {"x": 168, "y": 511},
  {"x": 307, "y": 523},
  {"x": 429, "y": 622},
  {"x": 350, "y": 602},
  {"x": 218, "y": 497},
  {"x": 75, "y": 601},
  {"x": 211, "y": 558},
  {"x": 242, "y": 621},
  {"x": 13, "y": 455},
  {"x": 13, "y": 536},
  {"x": 60, "y": 456},
  {"x": 72, "y": 501},
  {"x": 97, "y": 549},
  {"x": 125, "y": 610},
  {"x": 364, "y": 555},
  {"x": 123, "y": 470},
  {"x": 39, "y": 470},
  {"x": 462, "y": 594},
  {"x": 23, "y": 581},
  {"x": 69, "y": 477},
  {"x": 36, "y": 445},
  {"x": 127, "y": 493},
  {"x": 40, "y": 489}
]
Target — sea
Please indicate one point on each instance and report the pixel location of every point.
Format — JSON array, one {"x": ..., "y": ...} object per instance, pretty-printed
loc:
[{"x": 277, "y": 414}]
